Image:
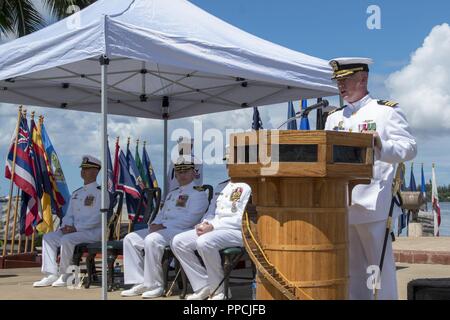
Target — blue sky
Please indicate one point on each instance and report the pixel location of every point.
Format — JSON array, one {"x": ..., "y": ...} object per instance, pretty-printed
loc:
[{"x": 325, "y": 29}]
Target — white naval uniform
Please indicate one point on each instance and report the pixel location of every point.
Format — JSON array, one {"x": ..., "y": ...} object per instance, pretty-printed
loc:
[
  {"x": 226, "y": 233},
  {"x": 84, "y": 214},
  {"x": 369, "y": 210},
  {"x": 183, "y": 208},
  {"x": 198, "y": 180}
]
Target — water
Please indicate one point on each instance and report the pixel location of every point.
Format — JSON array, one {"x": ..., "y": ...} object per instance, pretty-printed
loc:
[{"x": 444, "y": 229}]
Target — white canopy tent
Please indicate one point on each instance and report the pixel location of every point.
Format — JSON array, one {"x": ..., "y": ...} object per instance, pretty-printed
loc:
[{"x": 161, "y": 59}]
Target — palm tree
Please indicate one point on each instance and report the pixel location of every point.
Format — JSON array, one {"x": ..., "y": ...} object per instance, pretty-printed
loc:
[{"x": 21, "y": 17}]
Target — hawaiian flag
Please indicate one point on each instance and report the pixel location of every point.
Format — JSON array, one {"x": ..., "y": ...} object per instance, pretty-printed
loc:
[
  {"x": 24, "y": 176},
  {"x": 435, "y": 203}
]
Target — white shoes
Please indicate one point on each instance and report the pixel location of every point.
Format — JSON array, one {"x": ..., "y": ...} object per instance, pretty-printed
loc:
[
  {"x": 61, "y": 282},
  {"x": 202, "y": 294},
  {"x": 155, "y": 293},
  {"x": 137, "y": 290},
  {"x": 221, "y": 296},
  {"x": 46, "y": 281}
]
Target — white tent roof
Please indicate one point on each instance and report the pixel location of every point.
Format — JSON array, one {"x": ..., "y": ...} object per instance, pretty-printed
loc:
[{"x": 156, "y": 48}]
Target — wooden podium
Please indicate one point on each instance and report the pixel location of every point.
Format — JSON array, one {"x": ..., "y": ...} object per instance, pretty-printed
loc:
[{"x": 300, "y": 183}]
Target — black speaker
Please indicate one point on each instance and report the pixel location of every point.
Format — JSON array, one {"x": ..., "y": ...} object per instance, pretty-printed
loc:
[{"x": 429, "y": 289}]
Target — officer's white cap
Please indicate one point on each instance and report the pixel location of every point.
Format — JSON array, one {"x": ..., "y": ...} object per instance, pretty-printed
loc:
[
  {"x": 346, "y": 66},
  {"x": 89, "y": 161}
]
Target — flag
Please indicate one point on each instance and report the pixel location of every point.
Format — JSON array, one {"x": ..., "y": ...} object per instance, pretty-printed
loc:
[
  {"x": 24, "y": 177},
  {"x": 291, "y": 125},
  {"x": 51, "y": 200},
  {"x": 304, "y": 122},
  {"x": 423, "y": 188},
  {"x": 110, "y": 178},
  {"x": 23, "y": 170},
  {"x": 435, "y": 203},
  {"x": 127, "y": 183},
  {"x": 257, "y": 122},
  {"x": 403, "y": 218},
  {"x": 56, "y": 171},
  {"x": 140, "y": 167},
  {"x": 149, "y": 168},
  {"x": 412, "y": 180}
]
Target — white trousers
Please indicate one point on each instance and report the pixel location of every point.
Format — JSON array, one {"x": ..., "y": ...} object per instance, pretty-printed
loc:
[
  {"x": 142, "y": 255},
  {"x": 208, "y": 246},
  {"x": 67, "y": 242},
  {"x": 366, "y": 244}
]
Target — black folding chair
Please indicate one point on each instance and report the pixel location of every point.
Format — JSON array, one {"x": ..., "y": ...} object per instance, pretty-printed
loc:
[
  {"x": 116, "y": 199},
  {"x": 168, "y": 257},
  {"x": 147, "y": 208}
]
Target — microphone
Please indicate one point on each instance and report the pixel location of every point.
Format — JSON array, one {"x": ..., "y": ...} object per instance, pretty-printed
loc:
[{"x": 322, "y": 104}]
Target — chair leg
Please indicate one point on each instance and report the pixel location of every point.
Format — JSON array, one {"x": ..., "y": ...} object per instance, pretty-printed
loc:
[
  {"x": 90, "y": 263},
  {"x": 184, "y": 280},
  {"x": 110, "y": 272},
  {"x": 165, "y": 269},
  {"x": 226, "y": 271},
  {"x": 77, "y": 256}
]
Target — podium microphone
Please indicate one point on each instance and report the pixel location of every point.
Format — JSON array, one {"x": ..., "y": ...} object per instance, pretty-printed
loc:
[{"x": 322, "y": 104}]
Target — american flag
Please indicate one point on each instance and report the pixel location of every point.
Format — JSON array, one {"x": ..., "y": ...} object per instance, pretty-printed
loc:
[{"x": 435, "y": 203}]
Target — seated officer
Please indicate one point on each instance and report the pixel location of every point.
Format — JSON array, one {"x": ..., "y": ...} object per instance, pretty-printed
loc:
[
  {"x": 81, "y": 224},
  {"x": 219, "y": 229},
  {"x": 185, "y": 149},
  {"x": 182, "y": 209}
]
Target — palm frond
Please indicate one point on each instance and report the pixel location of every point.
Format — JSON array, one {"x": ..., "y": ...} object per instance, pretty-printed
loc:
[
  {"x": 59, "y": 8},
  {"x": 6, "y": 18},
  {"x": 26, "y": 18}
]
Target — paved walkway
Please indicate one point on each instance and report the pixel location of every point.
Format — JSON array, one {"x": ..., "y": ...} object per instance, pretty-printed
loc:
[{"x": 17, "y": 284}]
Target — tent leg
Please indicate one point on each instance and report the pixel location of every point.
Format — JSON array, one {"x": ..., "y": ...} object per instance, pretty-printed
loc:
[
  {"x": 166, "y": 186},
  {"x": 165, "y": 116},
  {"x": 104, "y": 62}
]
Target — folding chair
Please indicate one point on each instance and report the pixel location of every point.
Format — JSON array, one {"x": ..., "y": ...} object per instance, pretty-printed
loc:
[
  {"x": 82, "y": 248},
  {"x": 169, "y": 256},
  {"x": 147, "y": 208}
]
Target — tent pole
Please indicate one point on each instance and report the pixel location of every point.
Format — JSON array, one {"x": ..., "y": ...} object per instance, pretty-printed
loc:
[
  {"x": 166, "y": 187},
  {"x": 104, "y": 61},
  {"x": 165, "y": 115}
]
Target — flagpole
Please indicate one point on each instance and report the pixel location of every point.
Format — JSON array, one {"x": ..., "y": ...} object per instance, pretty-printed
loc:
[
  {"x": 19, "y": 116},
  {"x": 104, "y": 62},
  {"x": 166, "y": 186},
  {"x": 13, "y": 235}
]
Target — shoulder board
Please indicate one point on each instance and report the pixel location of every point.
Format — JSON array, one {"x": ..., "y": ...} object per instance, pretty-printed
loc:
[
  {"x": 77, "y": 189},
  {"x": 387, "y": 103},
  {"x": 99, "y": 187},
  {"x": 199, "y": 188},
  {"x": 337, "y": 109},
  {"x": 225, "y": 181}
]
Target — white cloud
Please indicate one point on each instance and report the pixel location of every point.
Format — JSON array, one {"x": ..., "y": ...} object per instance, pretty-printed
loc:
[{"x": 423, "y": 87}]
